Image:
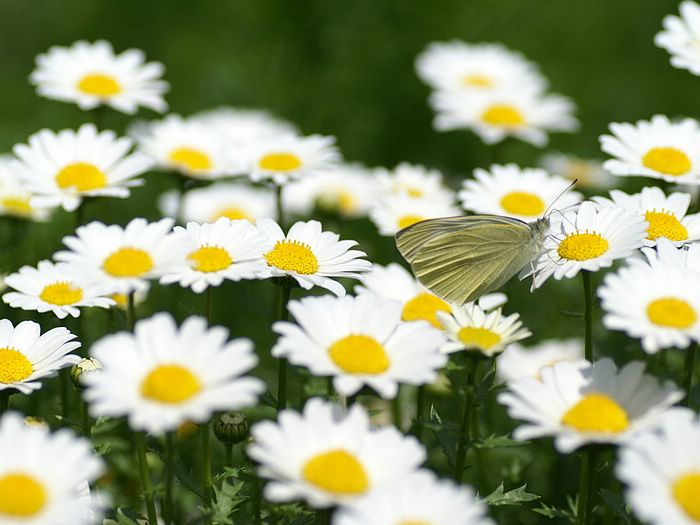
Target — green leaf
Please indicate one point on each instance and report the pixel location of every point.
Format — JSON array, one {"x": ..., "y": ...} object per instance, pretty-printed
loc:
[
  {"x": 446, "y": 435},
  {"x": 128, "y": 517},
  {"x": 552, "y": 512},
  {"x": 617, "y": 505},
  {"x": 494, "y": 441},
  {"x": 512, "y": 497},
  {"x": 226, "y": 501}
]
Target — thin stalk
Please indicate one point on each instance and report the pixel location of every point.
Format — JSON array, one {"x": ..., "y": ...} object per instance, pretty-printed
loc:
[
  {"x": 4, "y": 400},
  {"x": 588, "y": 315},
  {"x": 279, "y": 206},
  {"x": 464, "y": 439},
  {"x": 330, "y": 391},
  {"x": 206, "y": 467},
  {"x": 87, "y": 424},
  {"x": 397, "y": 409},
  {"x": 323, "y": 517},
  {"x": 689, "y": 368},
  {"x": 206, "y": 306},
  {"x": 130, "y": 312},
  {"x": 140, "y": 445},
  {"x": 285, "y": 292},
  {"x": 585, "y": 487},
  {"x": 65, "y": 387},
  {"x": 168, "y": 507},
  {"x": 420, "y": 408},
  {"x": 257, "y": 500},
  {"x": 228, "y": 449}
]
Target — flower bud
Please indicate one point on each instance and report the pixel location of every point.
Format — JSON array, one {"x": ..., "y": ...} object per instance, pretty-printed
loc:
[
  {"x": 231, "y": 428},
  {"x": 86, "y": 366}
]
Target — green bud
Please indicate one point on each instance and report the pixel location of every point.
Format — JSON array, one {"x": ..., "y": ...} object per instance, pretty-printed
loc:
[
  {"x": 231, "y": 428},
  {"x": 86, "y": 366}
]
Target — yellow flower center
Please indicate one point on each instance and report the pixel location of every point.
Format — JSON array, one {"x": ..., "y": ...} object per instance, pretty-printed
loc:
[
  {"x": 14, "y": 366},
  {"x": 670, "y": 161},
  {"x": 522, "y": 203},
  {"x": 234, "y": 213},
  {"x": 61, "y": 293},
  {"x": 82, "y": 176},
  {"x": 359, "y": 354},
  {"x": 597, "y": 413},
  {"x": 292, "y": 256},
  {"x": 170, "y": 384},
  {"x": 16, "y": 206},
  {"x": 210, "y": 259},
  {"x": 414, "y": 522},
  {"x": 503, "y": 115},
  {"x": 21, "y": 495},
  {"x": 481, "y": 338},
  {"x": 128, "y": 262},
  {"x": 582, "y": 246},
  {"x": 686, "y": 492},
  {"x": 190, "y": 159},
  {"x": 478, "y": 81},
  {"x": 409, "y": 220},
  {"x": 337, "y": 200},
  {"x": 336, "y": 471},
  {"x": 665, "y": 224},
  {"x": 671, "y": 312},
  {"x": 99, "y": 85},
  {"x": 424, "y": 307},
  {"x": 280, "y": 162}
]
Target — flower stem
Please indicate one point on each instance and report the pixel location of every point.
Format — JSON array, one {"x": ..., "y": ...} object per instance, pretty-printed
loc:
[
  {"x": 464, "y": 438},
  {"x": 206, "y": 306},
  {"x": 4, "y": 400},
  {"x": 168, "y": 508},
  {"x": 130, "y": 311},
  {"x": 285, "y": 292},
  {"x": 397, "y": 409},
  {"x": 87, "y": 424},
  {"x": 585, "y": 487},
  {"x": 420, "y": 408},
  {"x": 140, "y": 445},
  {"x": 689, "y": 368},
  {"x": 323, "y": 517},
  {"x": 280, "y": 206},
  {"x": 588, "y": 315},
  {"x": 206, "y": 467}
]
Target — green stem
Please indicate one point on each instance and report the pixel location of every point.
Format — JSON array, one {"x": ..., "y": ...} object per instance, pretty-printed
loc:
[
  {"x": 585, "y": 487},
  {"x": 140, "y": 445},
  {"x": 206, "y": 307},
  {"x": 65, "y": 387},
  {"x": 588, "y": 315},
  {"x": 130, "y": 312},
  {"x": 257, "y": 501},
  {"x": 206, "y": 467},
  {"x": 181, "y": 191},
  {"x": 323, "y": 517},
  {"x": 689, "y": 368},
  {"x": 228, "y": 449},
  {"x": 285, "y": 292},
  {"x": 87, "y": 424},
  {"x": 397, "y": 409},
  {"x": 4, "y": 400},
  {"x": 168, "y": 507},
  {"x": 330, "y": 391},
  {"x": 464, "y": 439},
  {"x": 420, "y": 408},
  {"x": 280, "y": 206}
]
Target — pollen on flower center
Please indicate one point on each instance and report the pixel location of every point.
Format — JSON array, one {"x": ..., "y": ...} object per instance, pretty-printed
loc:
[
  {"x": 478, "y": 81},
  {"x": 665, "y": 224},
  {"x": 424, "y": 307},
  {"x": 190, "y": 159},
  {"x": 16, "y": 205},
  {"x": 671, "y": 312},
  {"x": 82, "y": 176},
  {"x": 14, "y": 366},
  {"x": 597, "y": 413},
  {"x": 481, "y": 338},
  {"x": 686, "y": 492},
  {"x": 234, "y": 213},
  {"x": 210, "y": 259},
  {"x": 99, "y": 85},
  {"x": 128, "y": 262},
  {"x": 409, "y": 220},
  {"x": 336, "y": 471},
  {"x": 503, "y": 115},
  {"x": 522, "y": 203},
  {"x": 281, "y": 161},
  {"x": 170, "y": 384},
  {"x": 582, "y": 246},
  {"x": 359, "y": 354},
  {"x": 21, "y": 495},
  {"x": 292, "y": 256},
  {"x": 61, "y": 293},
  {"x": 670, "y": 161}
]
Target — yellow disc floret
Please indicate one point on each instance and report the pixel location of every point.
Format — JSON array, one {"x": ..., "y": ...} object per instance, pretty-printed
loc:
[
  {"x": 424, "y": 307},
  {"x": 686, "y": 492},
  {"x": 480, "y": 338},
  {"x": 21, "y": 496},
  {"x": 582, "y": 246},
  {"x": 282, "y": 161},
  {"x": 477, "y": 81},
  {"x": 190, "y": 159},
  {"x": 597, "y": 413},
  {"x": 409, "y": 220},
  {"x": 671, "y": 312},
  {"x": 17, "y": 206},
  {"x": 61, "y": 293},
  {"x": 522, "y": 203},
  {"x": 359, "y": 354},
  {"x": 82, "y": 176},
  {"x": 128, "y": 262},
  {"x": 170, "y": 384},
  {"x": 669, "y": 161},
  {"x": 99, "y": 85},
  {"x": 503, "y": 115},
  {"x": 210, "y": 259},
  {"x": 14, "y": 366},
  {"x": 234, "y": 213},
  {"x": 292, "y": 256},
  {"x": 665, "y": 224},
  {"x": 336, "y": 471}
]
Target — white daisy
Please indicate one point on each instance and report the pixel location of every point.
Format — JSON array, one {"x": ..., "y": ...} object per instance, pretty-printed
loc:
[
  {"x": 211, "y": 253},
  {"x": 311, "y": 256},
  {"x": 239, "y": 127},
  {"x": 681, "y": 37},
  {"x": 421, "y": 498},
  {"x": 517, "y": 361},
  {"x": 360, "y": 341},
  {"x": 121, "y": 260},
  {"x": 27, "y": 355},
  {"x": 587, "y": 173},
  {"x": 14, "y": 196},
  {"x": 161, "y": 376},
  {"x": 588, "y": 239},
  {"x": 596, "y": 404},
  {"x": 121, "y": 300},
  {"x": 65, "y": 167},
  {"x": 658, "y": 148},
  {"x": 415, "y": 181},
  {"x": 43, "y": 476},
  {"x": 662, "y": 471},
  {"x": 91, "y": 75},
  {"x": 523, "y": 193},
  {"x": 56, "y": 288},
  {"x": 396, "y": 212},
  {"x": 326, "y": 457}
]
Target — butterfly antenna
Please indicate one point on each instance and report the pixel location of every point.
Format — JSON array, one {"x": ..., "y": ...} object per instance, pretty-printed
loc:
[{"x": 573, "y": 183}]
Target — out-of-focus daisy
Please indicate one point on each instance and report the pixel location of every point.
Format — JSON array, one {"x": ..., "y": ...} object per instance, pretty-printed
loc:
[
  {"x": 458, "y": 66},
  {"x": 239, "y": 127},
  {"x": 288, "y": 157},
  {"x": 27, "y": 355},
  {"x": 65, "y": 167},
  {"x": 680, "y": 37},
  {"x": 523, "y": 193},
  {"x": 121, "y": 300},
  {"x": 494, "y": 116},
  {"x": 517, "y": 361},
  {"x": 43, "y": 475},
  {"x": 91, "y": 75},
  {"x": 415, "y": 181},
  {"x": 327, "y": 457},
  {"x": 587, "y": 173},
  {"x": 597, "y": 404},
  {"x": 14, "y": 196},
  {"x": 311, "y": 256},
  {"x": 588, "y": 239},
  {"x": 161, "y": 375},
  {"x": 121, "y": 260},
  {"x": 471, "y": 327},
  {"x": 662, "y": 471},
  {"x": 56, "y": 288},
  {"x": 395, "y": 212},
  {"x": 211, "y": 253},
  {"x": 360, "y": 341},
  {"x": 658, "y": 148}
]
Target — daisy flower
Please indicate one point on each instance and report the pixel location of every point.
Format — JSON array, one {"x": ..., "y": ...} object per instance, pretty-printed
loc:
[
  {"x": 517, "y": 361},
  {"x": 62, "y": 168},
  {"x": 420, "y": 498},
  {"x": 662, "y": 471},
  {"x": 14, "y": 197},
  {"x": 56, "y": 288},
  {"x": 523, "y": 193},
  {"x": 211, "y": 253},
  {"x": 596, "y": 404},
  {"x": 241, "y": 127},
  {"x": 658, "y": 148},
  {"x": 91, "y": 75},
  {"x": 311, "y": 256},
  {"x": 43, "y": 475},
  {"x": 680, "y": 37},
  {"x": 359, "y": 341},
  {"x": 121, "y": 260},
  {"x": 588, "y": 239},
  {"x": 27, "y": 355},
  {"x": 396, "y": 212},
  {"x": 414, "y": 181},
  {"x": 587, "y": 173},
  {"x": 472, "y": 327},
  {"x": 327, "y": 457},
  {"x": 161, "y": 376}
]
